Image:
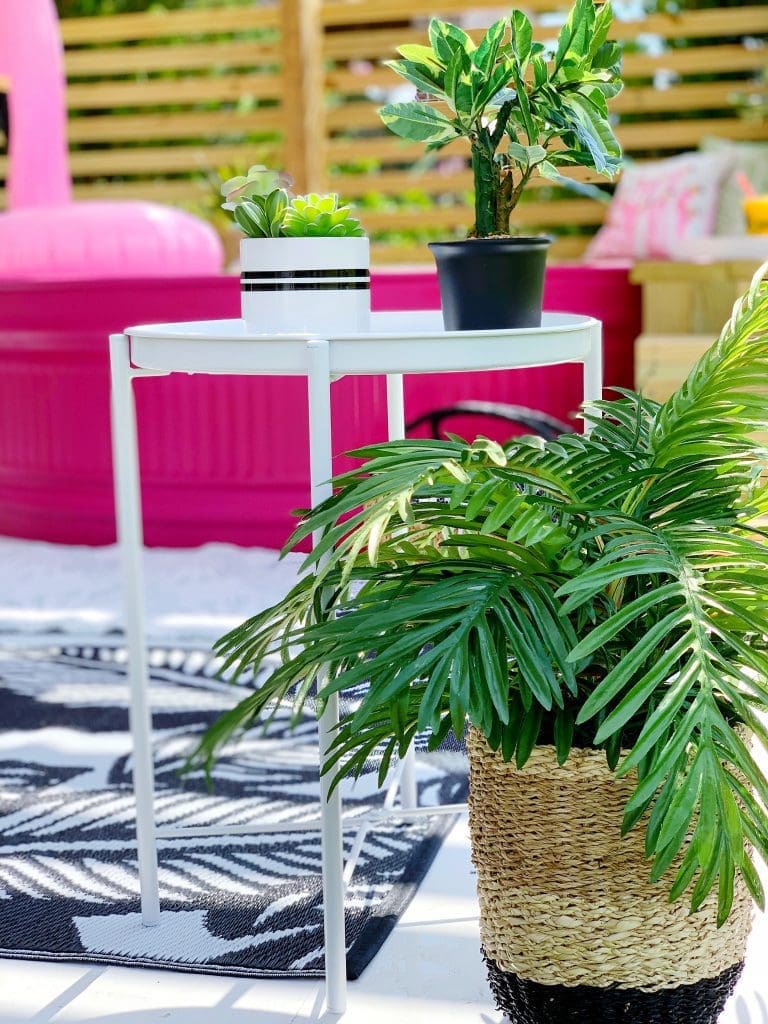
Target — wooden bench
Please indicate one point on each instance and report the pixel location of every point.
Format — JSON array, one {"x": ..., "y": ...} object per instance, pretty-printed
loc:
[{"x": 684, "y": 307}]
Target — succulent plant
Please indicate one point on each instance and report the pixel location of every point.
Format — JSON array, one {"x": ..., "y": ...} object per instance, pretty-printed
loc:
[
  {"x": 262, "y": 216},
  {"x": 262, "y": 207},
  {"x": 316, "y": 216}
]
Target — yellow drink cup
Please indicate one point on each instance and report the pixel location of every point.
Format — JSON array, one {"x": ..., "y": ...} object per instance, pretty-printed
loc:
[{"x": 756, "y": 211}]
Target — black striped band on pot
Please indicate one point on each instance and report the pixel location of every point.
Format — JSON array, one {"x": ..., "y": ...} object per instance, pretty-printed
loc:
[
  {"x": 527, "y": 1002},
  {"x": 566, "y": 902},
  {"x": 341, "y": 279}
]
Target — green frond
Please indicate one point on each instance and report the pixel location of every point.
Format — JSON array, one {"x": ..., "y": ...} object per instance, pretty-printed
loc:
[{"x": 607, "y": 590}]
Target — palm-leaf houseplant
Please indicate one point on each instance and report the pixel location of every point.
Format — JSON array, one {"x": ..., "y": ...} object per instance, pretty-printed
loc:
[
  {"x": 592, "y": 613},
  {"x": 304, "y": 261},
  {"x": 525, "y": 110}
]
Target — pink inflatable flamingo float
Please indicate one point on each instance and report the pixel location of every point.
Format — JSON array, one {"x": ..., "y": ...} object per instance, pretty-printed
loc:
[{"x": 44, "y": 234}]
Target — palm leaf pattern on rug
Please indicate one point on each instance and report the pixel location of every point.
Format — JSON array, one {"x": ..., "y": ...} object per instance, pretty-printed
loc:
[{"x": 243, "y": 905}]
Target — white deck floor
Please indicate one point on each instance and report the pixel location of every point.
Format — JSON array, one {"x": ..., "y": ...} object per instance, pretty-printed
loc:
[{"x": 428, "y": 971}]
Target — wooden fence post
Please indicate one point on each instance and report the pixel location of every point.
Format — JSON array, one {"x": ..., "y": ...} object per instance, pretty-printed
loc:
[{"x": 302, "y": 100}]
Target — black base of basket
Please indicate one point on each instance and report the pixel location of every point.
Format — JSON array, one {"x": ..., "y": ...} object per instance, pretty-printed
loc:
[{"x": 527, "y": 1002}]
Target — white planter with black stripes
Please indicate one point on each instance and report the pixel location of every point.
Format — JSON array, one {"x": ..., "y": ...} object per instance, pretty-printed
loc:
[{"x": 295, "y": 285}]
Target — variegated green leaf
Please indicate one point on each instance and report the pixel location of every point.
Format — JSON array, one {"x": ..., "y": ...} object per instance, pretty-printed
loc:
[{"x": 417, "y": 122}]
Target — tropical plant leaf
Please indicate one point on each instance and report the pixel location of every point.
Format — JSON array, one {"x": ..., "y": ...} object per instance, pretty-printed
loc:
[
  {"x": 446, "y": 39},
  {"x": 425, "y": 76},
  {"x": 458, "y": 86},
  {"x": 497, "y": 80},
  {"x": 522, "y": 39},
  {"x": 610, "y": 588},
  {"x": 594, "y": 133},
  {"x": 417, "y": 122},
  {"x": 415, "y": 53},
  {"x": 598, "y": 34},
  {"x": 576, "y": 34},
  {"x": 485, "y": 56}
]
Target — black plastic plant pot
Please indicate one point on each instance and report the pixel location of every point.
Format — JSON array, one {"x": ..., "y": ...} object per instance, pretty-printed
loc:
[{"x": 490, "y": 283}]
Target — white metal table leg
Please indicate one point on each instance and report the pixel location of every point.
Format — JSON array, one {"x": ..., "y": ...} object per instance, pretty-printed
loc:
[
  {"x": 320, "y": 452},
  {"x": 130, "y": 538},
  {"x": 396, "y": 431},
  {"x": 593, "y": 367}
]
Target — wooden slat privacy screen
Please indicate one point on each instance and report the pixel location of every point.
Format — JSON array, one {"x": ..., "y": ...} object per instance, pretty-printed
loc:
[{"x": 161, "y": 101}]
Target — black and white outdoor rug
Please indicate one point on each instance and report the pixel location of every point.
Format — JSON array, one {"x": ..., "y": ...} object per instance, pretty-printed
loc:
[{"x": 246, "y": 905}]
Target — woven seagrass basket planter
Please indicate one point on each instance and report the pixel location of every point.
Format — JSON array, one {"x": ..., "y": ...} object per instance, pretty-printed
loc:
[{"x": 572, "y": 929}]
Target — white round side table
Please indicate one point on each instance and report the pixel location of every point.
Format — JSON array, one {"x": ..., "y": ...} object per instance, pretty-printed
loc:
[{"x": 396, "y": 344}]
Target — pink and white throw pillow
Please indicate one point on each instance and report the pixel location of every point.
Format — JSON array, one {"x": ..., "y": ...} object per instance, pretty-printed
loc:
[{"x": 659, "y": 204}]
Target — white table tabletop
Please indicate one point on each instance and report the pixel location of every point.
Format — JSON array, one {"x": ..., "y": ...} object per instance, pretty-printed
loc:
[{"x": 404, "y": 342}]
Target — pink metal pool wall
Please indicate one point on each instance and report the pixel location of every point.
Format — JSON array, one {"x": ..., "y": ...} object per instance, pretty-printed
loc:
[{"x": 223, "y": 458}]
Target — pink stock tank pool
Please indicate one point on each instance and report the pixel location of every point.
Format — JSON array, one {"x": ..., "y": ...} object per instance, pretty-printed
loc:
[{"x": 224, "y": 458}]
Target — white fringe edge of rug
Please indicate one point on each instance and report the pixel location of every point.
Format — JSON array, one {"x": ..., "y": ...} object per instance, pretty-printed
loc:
[{"x": 192, "y": 594}]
